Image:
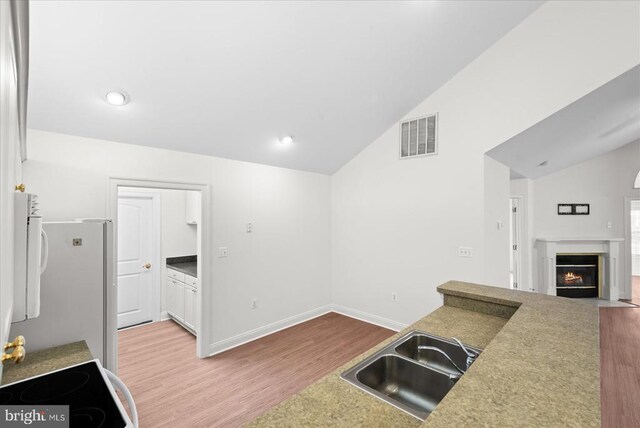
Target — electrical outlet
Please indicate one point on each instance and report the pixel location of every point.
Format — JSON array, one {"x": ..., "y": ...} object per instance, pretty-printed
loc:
[
  {"x": 465, "y": 252},
  {"x": 254, "y": 304},
  {"x": 394, "y": 297},
  {"x": 223, "y": 251},
  {"x": 249, "y": 227},
  {"x": 609, "y": 225}
]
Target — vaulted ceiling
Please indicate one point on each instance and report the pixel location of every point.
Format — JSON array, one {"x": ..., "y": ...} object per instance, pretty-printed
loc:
[
  {"x": 601, "y": 121},
  {"x": 229, "y": 79}
]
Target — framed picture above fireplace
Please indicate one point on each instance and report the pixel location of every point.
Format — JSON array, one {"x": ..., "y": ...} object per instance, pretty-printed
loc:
[
  {"x": 565, "y": 209},
  {"x": 573, "y": 209},
  {"x": 581, "y": 209}
]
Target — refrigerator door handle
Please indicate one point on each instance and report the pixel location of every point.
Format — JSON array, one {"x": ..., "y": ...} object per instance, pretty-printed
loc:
[{"x": 45, "y": 252}]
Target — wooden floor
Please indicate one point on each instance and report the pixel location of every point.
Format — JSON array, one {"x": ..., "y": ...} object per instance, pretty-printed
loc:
[
  {"x": 174, "y": 388},
  {"x": 620, "y": 367}
]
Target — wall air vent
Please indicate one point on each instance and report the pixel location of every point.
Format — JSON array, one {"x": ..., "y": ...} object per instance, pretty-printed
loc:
[{"x": 419, "y": 137}]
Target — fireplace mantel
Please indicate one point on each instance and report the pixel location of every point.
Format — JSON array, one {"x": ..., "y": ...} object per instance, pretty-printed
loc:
[
  {"x": 580, "y": 239},
  {"x": 609, "y": 248}
]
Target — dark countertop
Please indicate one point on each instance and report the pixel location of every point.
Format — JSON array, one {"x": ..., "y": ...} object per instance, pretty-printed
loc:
[
  {"x": 46, "y": 360},
  {"x": 185, "y": 264},
  {"x": 188, "y": 268}
]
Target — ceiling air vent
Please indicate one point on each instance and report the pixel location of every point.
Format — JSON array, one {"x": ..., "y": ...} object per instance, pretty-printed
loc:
[{"x": 419, "y": 137}]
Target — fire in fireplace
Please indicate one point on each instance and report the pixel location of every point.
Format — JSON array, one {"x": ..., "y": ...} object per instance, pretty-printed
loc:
[
  {"x": 571, "y": 278},
  {"x": 577, "y": 275}
]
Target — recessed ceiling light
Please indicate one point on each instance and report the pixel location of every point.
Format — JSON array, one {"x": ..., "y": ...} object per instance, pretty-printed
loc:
[
  {"x": 117, "y": 98},
  {"x": 543, "y": 163},
  {"x": 285, "y": 141}
]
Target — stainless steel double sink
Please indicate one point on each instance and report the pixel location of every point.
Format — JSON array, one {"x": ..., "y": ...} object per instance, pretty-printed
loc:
[{"x": 408, "y": 376}]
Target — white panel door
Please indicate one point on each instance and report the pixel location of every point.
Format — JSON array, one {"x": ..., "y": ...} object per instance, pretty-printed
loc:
[{"x": 135, "y": 292}]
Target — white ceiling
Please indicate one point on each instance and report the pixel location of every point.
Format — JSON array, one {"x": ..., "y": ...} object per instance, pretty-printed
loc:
[
  {"x": 228, "y": 78},
  {"x": 601, "y": 121}
]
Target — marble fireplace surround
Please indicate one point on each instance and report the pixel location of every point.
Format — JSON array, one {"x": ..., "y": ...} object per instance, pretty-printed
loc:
[{"x": 608, "y": 248}]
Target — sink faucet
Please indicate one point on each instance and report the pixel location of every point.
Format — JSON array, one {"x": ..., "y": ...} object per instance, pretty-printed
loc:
[
  {"x": 453, "y": 377},
  {"x": 471, "y": 355}
]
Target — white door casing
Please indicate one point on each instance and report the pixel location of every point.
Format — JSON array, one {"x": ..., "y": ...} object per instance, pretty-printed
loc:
[
  {"x": 204, "y": 296},
  {"x": 632, "y": 258},
  {"x": 634, "y": 244},
  {"x": 515, "y": 238},
  {"x": 10, "y": 165},
  {"x": 135, "y": 255}
]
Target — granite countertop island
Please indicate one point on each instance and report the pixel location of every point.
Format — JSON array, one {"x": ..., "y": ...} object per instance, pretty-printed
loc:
[
  {"x": 540, "y": 367},
  {"x": 184, "y": 264}
]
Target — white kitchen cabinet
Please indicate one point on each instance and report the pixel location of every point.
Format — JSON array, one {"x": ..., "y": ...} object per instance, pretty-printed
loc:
[
  {"x": 192, "y": 205},
  {"x": 190, "y": 297},
  {"x": 191, "y": 280},
  {"x": 170, "y": 297},
  {"x": 175, "y": 299},
  {"x": 182, "y": 297},
  {"x": 176, "y": 275}
]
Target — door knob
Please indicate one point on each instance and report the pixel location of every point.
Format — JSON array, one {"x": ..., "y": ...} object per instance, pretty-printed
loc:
[
  {"x": 20, "y": 188},
  {"x": 18, "y": 341},
  {"x": 147, "y": 266},
  {"x": 17, "y": 356}
]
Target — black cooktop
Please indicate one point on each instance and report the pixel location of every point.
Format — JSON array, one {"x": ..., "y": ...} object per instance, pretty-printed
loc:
[{"x": 82, "y": 388}]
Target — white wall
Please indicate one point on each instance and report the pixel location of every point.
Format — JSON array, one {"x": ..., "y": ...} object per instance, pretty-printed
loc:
[
  {"x": 496, "y": 223},
  {"x": 284, "y": 263},
  {"x": 397, "y": 225},
  {"x": 603, "y": 183},
  {"x": 10, "y": 167}
]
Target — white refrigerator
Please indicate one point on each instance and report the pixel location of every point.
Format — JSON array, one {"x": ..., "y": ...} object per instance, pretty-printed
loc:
[{"x": 77, "y": 291}]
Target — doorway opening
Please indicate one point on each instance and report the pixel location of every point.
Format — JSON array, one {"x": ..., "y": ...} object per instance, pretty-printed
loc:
[
  {"x": 161, "y": 239},
  {"x": 157, "y": 253}
]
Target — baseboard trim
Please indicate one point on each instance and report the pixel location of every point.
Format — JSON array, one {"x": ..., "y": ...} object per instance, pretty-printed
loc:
[
  {"x": 368, "y": 318},
  {"x": 250, "y": 336},
  {"x": 164, "y": 316}
]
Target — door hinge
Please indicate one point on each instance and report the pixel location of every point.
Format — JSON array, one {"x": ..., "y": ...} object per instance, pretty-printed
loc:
[
  {"x": 515, "y": 285},
  {"x": 515, "y": 247},
  {"x": 514, "y": 209}
]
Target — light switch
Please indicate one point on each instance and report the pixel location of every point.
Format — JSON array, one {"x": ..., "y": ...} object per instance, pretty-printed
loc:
[
  {"x": 609, "y": 225},
  {"x": 223, "y": 252}
]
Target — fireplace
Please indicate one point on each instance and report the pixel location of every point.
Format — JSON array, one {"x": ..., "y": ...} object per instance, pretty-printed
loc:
[{"x": 578, "y": 275}]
